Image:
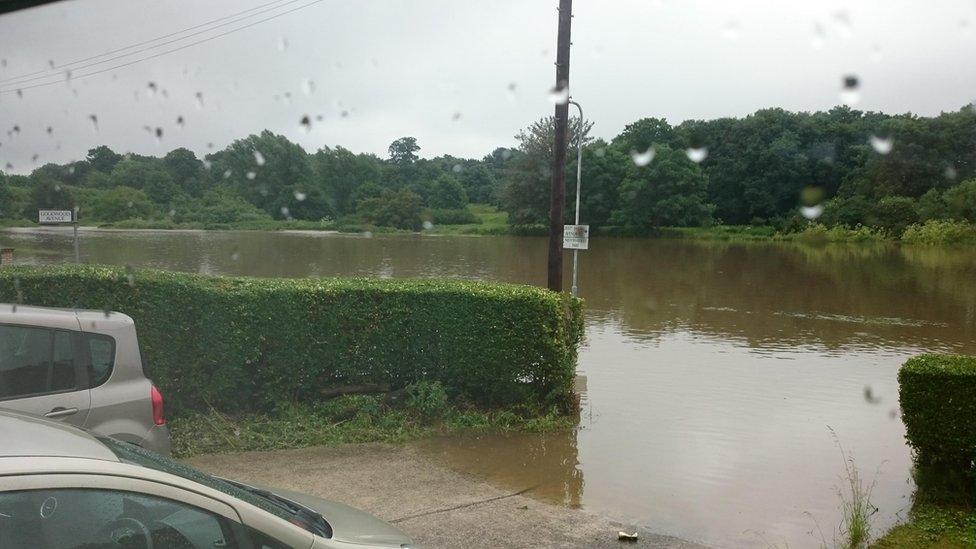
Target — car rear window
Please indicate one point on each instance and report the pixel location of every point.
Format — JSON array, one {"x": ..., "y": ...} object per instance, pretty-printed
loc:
[
  {"x": 132, "y": 454},
  {"x": 101, "y": 357}
]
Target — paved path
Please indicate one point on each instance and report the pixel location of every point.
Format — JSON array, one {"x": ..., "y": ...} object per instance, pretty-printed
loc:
[{"x": 436, "y": 506}]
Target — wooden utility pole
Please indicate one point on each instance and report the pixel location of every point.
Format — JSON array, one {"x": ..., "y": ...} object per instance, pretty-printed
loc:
[{"x": 557, "y": 198}]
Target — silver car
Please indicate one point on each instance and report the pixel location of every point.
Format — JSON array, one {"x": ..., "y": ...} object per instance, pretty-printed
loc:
[
  {"x": 61, "y": 487},
  {"x": 80, "y": 367}
]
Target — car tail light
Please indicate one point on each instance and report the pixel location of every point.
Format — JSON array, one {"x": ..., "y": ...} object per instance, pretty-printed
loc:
[{"x": 157, "y": 405}]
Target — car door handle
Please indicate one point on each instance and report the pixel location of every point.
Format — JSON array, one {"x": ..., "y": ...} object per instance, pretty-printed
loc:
[{"x": 61, "y": 412}]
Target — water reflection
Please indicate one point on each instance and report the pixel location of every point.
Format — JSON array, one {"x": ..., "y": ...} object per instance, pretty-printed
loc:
[{"x": 544, "y": 466}]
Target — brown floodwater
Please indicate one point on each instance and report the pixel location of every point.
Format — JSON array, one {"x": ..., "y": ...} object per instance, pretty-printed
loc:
[{"x": 719, "y": 380}]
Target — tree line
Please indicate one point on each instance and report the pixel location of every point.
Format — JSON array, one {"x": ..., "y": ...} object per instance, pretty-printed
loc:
[{"x": 773, "y": 167}]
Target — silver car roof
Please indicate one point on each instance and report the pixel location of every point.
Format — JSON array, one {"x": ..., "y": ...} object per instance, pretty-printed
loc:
[
  {"x": 22, "y": 435},
  {"x": 66, "y": 319}
]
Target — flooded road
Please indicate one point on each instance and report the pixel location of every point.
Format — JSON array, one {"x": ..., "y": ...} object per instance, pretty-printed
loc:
[{"x": 719, "y": 380}]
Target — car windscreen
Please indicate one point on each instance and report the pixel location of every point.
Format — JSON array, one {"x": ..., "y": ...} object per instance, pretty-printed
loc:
[{"x": 135, "y": 455}]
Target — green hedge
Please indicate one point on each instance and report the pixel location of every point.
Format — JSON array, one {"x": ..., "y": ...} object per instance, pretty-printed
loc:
[
  {"x": 938, "y": 403},
  {"x": 245, "y": 344}
]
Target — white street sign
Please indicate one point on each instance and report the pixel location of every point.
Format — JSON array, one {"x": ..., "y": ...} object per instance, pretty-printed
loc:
[
  {"x": 576, "y": 237},
  {"x": 54, "y": 216}
]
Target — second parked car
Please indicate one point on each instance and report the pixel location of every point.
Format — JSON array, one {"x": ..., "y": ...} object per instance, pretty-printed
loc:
[{"x": 83, "y": 368}]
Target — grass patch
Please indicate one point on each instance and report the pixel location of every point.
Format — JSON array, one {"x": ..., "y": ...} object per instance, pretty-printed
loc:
[
  {"x": 940, "y": 233},
  {"x": 933, "y": 526},
  {"x": 348, "y": 419}
]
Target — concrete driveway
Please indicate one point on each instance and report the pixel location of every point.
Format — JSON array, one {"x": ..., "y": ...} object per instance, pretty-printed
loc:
[{"x": 438, "y": 507}]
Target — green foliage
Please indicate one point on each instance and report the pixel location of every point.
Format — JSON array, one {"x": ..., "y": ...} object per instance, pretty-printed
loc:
[
  {"x": 933, "y": 527},
  {"x": 447, "y": 194},
  {"x": 46, "y": 193},
  {"x": 939, "y": 232},
  {"x": 121, "y": 203},
  {"x": 961, "y": 201},
  {"x": 248, "y": 344},
  {"x": 938, "y": 403},
  {"x": 463, "y": 216},
  {"x": 816, "y": 233},
  {"x": 931, "y": 205},
  {"x": 400, "y": 209},
  {"x": 346, "y": 419},
  {"x": 428, "y": 399},
  {"x": 894, "y": 214},
  {"x": 670, "y": 191}
]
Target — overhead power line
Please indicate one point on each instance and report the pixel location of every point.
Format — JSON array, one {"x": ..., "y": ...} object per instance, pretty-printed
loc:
[
  {"x": 160, "y": 54},
  {"x": 59, "y": 69}
]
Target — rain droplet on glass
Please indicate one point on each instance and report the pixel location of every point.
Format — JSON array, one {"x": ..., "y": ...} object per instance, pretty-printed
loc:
[
  {"x": 227, "y": 173},
  {"x": 698, "y": 154},
  {"x": 180, "y": 122},
  {"x": 159, "y": 133},
  {"x": 950, "y": 173},
  {"x": 199, "y": 96},
  {"x": 881, "y": 145},
  {"x": 368, "y": 234},
  {"x": 812, "y": 212},
  {"x": 258, "y": 158},
  {"x": 643, "y": 158},
  {"x": 250, "y": 175},
  {"x": 730, "y": 31},
  {"x": 559, "y": 94},
  {"x": 152, "y": 88},
  {"x": 600, "y": 152},
  {"x": 428, "y": 225},
  {"x": 300, "y": 196},
  {"x": 282, "y": 44},
  {"x": 308, "y": 86},
  {"x": 819, "y": 37},
  {"x": 457, "y": 168},
  {"x": 285, "y": 212},
  {"x": 456, "y": 116},
  {"x": 850, "y": 93},
  {"x": 306, "y": 123},
  {"x": 94, "y": 121}
]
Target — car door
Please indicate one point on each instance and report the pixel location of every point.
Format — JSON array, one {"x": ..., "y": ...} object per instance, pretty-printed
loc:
[
  {"x": 88, "y": 510},
  {"x": 40, "y": 373}
]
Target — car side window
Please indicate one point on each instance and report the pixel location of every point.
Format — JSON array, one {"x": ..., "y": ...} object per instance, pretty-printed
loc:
[
  {"x": 260, "y": 540},
  {"x": 101, "y": 357},
  {"x": 61, "y": 376},
  {"x": 25, "y": 360},
  {"x": 92, "y": 518}
]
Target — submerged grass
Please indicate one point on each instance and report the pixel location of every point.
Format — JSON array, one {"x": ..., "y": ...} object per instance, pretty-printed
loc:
[
  {"x": 347, "y": 419},
  {"x": 933, "y": 526}
]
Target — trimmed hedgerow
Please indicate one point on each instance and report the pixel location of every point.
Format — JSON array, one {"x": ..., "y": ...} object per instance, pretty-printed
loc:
[
  {"x": 251, "y": 344},
  {"x": 938, "y": 403}
]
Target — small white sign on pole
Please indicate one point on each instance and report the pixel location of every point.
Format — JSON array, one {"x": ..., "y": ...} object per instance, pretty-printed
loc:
[
  {"x": 576, "y": 237},
  {"x": 54, "y": 216}
]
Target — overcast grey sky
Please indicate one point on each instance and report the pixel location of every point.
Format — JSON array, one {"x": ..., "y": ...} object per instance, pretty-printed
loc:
[{"x": 460, "y": 75}]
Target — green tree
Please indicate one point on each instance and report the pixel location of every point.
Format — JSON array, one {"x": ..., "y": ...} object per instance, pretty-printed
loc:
[
  {"x": 340, "y": 172},
  {"x": 961, "y": 201},
  {"x": 932, "y": 205},
  {"x": 447, "y": 194},
  {"x": 266, "y": 170},
  {"x": 525, "y": 191},
  {"x": 670, "y": 191},
  {"x": 148, "y": 175},
  {"x": 186, "y": 170},
  {"x": 121, "y": 203},
  {"x": 894, "y": 214},
  {"x": 404, "y": 150},
  {"x": 400, "y": 209},
  {"x": 47, "y": 194},
  {"x": 103, "y": 158}
]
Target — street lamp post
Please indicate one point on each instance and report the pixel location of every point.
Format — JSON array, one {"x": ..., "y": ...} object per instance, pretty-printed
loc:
[{"x": 579, "y": 176}]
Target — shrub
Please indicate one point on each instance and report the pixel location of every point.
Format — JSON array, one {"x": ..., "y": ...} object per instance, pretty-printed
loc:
[
  {"x": 400, "y": 209},
  {"x": 461, "y": 216},
  {"x": 427, "y": 398},
  {"x": 249, "y": 344},
  {"x": 938, "y": 403},
  {"x": 121, "y": 203},
  {"x": 939, "y": 232},
  {"x": 961, "y": 201},
  {"x": 894, "y": 214}
]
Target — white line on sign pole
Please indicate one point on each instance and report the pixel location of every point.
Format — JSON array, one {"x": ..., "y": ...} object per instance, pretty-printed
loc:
[{"x": 579, "y": 177}]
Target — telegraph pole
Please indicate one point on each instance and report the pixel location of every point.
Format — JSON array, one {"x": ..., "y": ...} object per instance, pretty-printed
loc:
[{"x": 557, "y": 198}]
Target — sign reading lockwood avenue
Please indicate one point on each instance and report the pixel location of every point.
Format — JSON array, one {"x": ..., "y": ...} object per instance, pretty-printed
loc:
[
  {"x": 576, "y": 237},
  {"x": 54, "y": 216}
]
